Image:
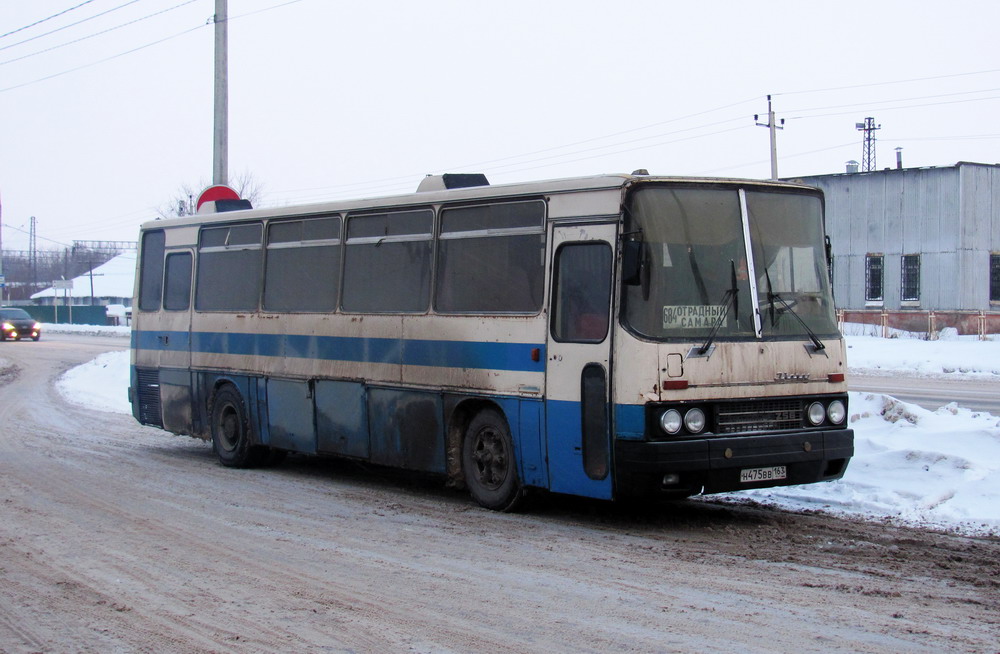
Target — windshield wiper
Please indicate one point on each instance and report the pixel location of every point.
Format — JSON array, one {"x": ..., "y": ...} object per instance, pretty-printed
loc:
[
  {"x": 772, "y": 296},
  {"x": 730, "y": 299}
]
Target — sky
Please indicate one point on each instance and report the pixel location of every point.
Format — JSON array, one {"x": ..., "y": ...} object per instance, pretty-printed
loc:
[
  {"x": 935, "y": 469},
  {"x": 106, "y": 105}
]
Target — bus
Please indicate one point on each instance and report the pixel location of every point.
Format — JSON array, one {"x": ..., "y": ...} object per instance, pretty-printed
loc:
[{"x": 608, "y": 336}]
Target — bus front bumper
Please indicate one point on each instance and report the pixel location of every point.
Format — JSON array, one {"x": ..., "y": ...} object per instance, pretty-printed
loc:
[{"x": 729, "y": 463}]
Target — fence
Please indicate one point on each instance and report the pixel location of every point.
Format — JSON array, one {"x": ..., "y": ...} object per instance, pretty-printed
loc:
[
  {"x": 81, "y": 314},
  {"x": 930, "y": 323}
]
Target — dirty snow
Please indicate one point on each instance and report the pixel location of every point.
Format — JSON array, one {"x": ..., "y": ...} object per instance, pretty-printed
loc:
[{"x": 937, "y": 469}]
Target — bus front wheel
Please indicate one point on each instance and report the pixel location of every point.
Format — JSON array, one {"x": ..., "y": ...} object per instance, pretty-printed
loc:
[
  {"x": 488, "y": 462},
  {"x": 231, "y": 430}
]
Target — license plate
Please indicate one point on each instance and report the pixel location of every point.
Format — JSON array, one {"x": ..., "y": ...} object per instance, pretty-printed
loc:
[{"x": 774, "y": 473}]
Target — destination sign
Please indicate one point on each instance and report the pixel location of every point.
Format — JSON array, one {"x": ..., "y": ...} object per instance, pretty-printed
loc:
[{"x": 692, "y": 316}]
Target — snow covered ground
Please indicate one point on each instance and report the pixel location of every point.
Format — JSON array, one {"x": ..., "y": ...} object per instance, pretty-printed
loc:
[{"x": 938, "y": 469}]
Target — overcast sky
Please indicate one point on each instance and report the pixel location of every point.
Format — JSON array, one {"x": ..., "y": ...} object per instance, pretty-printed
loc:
[{"x": 105, "y": 120}]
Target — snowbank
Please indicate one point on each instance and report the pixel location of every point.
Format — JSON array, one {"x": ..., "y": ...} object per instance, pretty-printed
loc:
[
  {"x": 911, "y": 466},
  {"x": 963, "y": 357},
  {"x": 91, "y": 330}
]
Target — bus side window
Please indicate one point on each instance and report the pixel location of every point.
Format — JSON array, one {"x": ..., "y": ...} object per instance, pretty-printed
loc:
[
  {"x": 151, "y": 281},
  {"x": 177, "y": 286},
  {"x": 302, "y": 267},
  {"x": 491, "y": 258},
  {"x": 582, "y": 292},
  {"x": 229, "y": 267},
  {"x": 387, "y": 262}
]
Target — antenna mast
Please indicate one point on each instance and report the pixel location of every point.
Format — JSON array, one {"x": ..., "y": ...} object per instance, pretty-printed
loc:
[{"x": 868, "y": 156}]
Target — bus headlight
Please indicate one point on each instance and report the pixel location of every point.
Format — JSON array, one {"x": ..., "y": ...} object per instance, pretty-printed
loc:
[
  {"x": 836, "y": 412},
  {"x": 670, "y": 421},
  {"x": 816, "y": 413},
  {"x": 694, "y": 420}
]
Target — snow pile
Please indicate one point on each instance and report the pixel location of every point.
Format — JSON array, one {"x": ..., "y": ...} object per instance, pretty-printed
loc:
[
  {"x": 100, "y": 384},
  {"x": 951, "y": 355},
  {"x": 911, "y": 466},
  {"x": 90, "y": 330}
]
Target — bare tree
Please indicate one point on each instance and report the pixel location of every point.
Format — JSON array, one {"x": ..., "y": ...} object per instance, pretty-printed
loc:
[{"x": 185, "y": 198}]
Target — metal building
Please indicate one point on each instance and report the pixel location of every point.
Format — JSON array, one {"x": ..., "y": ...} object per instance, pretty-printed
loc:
[{"x": 918, "y": 247}]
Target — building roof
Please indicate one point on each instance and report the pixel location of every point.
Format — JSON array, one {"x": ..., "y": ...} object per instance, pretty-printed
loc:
[
  {"x": 112, "y": 279},
  {"x": 890, "y": 170}
]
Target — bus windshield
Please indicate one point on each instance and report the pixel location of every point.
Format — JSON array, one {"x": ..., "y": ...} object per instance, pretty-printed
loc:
[{"x": 695, "y": 275}]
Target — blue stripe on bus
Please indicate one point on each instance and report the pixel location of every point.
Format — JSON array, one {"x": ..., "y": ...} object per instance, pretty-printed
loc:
[{"x": 445, "y": 354}]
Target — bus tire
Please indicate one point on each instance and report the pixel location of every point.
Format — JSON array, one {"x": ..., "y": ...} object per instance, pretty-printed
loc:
[
  {"x": 231, "y": 434},
  {"x": 488, "y": 463}
]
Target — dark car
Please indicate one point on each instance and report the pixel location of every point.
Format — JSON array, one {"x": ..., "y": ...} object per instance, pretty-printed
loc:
[{"x": 17, "y": 324}]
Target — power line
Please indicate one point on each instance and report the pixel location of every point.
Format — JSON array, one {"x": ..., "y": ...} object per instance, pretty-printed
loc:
[
  {"x": 79, "y": 22},
  {"x": 18, "y": 229},
  {"x": 881, "y": 102},
  {"x": 141, "y": 47},
  {"x": 90, "y": 36},
  {"x": 101, "y": 61},
  {"x": 389, "y": 181},
  {"x": 39, "y": 22},
  {"x": 621, "y": 133},
  {"x": 909, "y": 106},
  {"x": 898, "y": 81},
  {"x": 260, "y": 11},
  {"x": 784, "y": 157},
  {"x": 374, "y": 186}
]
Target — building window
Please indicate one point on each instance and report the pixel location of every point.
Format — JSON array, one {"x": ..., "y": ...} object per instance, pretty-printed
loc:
[
  {"x": 910, "y": 278},
  {"x": 874, "y": 273},
  {"x": 995, "y": 278}
]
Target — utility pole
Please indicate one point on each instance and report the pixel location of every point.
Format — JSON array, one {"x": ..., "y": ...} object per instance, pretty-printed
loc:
[
  {"x": 33, "y": 254},
  {"x": 868, "y": 155},
  {"x": 3, "y": 280},
  {"x": 772, "y": 126},
  {"x": 220, "y": 150}
]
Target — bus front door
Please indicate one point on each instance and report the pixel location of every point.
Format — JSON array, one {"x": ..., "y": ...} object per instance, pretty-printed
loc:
[
  {"x": 174, "y": 344},
  {"x": 577, "y": 366}
]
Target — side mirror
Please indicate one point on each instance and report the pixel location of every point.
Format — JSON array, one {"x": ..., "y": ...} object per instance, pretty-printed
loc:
[{"x": 632, "y": 262}]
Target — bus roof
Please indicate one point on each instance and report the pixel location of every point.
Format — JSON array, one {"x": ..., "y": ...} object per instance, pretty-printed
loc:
[{"x": 472, "y": 193}]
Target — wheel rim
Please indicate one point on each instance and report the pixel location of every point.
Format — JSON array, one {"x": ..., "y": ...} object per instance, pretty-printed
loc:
[
  {"x": 489, "y": 453},
  {"x": 229, "y": 428}
]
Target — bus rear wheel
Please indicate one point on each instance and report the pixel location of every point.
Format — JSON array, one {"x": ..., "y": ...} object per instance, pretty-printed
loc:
[
  {"x": 231, "y": 433},
  {"x": 488, "y": 462}
]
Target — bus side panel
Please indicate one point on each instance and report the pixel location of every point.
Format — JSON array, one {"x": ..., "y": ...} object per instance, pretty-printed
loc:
[
  {"x": 290, "y": 415},
  {"x": 526, "y": 419},
  {"x": 529, "y": 443},
  {"x": 406, "y": 429},
  {"x": 342, "y": 418},
  {"x": 565, "y": 452},
  {"x": 176, "y": 400}
]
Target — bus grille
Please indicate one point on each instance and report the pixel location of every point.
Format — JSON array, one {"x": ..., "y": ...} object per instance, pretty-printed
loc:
[
  {"x": 758, "y": 415},
  {"x": 149, "y": 397}
]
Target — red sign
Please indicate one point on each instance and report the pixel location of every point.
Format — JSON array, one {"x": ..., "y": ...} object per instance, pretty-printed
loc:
[{"x": 217, "y": 192}]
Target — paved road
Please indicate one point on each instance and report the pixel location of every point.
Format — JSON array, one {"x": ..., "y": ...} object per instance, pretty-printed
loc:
[
  {"x": 933, "y": 393},
  {"x": 121, "y": 538}
]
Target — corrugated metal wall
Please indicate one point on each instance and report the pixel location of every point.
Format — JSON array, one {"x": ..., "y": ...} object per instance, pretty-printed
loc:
[{"x": 950, "y": 216}]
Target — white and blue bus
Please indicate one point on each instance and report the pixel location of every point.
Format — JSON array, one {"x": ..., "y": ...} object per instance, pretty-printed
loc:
[{"x": 605, "y": 336}]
